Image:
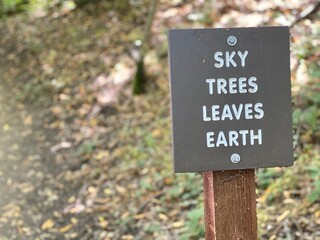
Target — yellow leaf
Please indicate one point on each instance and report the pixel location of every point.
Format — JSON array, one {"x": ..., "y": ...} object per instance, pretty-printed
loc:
[
  {"x": 6, "y": 127},
  {"x": 101, "y": 155},
  {"x": 92, "y": 189},
  {"x": 72, "y": 199},
  {"x": 317, "y": 214},
  {"x": 163, "y": 217},
  {"x": 283, "y": 216},
  {"x": 28, "y": 120},
  {"x": 127, "y": 237},
  {"x": 93, "y": 122},
  {"x": 107, "y": 191},
  {"x": 157, "y": 132},
  {"x": 177, "y": 224},
  {"x": 140, "y": 216},
  {"x": 74, "y": 220},
  {"x": 120, "y": 189},
  {"x": 65, "y": 228},
  {"x": 48, "y": 224},
  {"x": 103, "y": 223}
]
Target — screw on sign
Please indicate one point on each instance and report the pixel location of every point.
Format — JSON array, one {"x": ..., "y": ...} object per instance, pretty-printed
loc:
[
  {"x": 232, "y": 40},
  {"x": 231, "y": 114},
  {"x": 235, "y": 158}
]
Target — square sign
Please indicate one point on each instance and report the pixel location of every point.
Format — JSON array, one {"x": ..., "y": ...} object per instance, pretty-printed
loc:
[{"x": 231, "y": 98}]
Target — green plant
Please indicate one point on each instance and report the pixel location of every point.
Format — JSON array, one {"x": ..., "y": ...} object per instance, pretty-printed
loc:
[
  {"x": 87, "y": 147},
  {"x": 9, "y": 7},
  {"x": 266, "y": 177},
  {"x": 313, "y": 170},
  {"x": 310, "y": 116},
  {"x": 315, "y": 194},
  {"x": 194, "y": 227}
]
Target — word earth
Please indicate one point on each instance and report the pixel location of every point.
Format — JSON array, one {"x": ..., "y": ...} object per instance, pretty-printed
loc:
[{"x": 234, "y": 138}]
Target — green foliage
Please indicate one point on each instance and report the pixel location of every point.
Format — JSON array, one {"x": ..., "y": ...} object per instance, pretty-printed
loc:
[
  {"x": 87, "y": 147},
  {"x": 313, "y": 170},
  {"x": 121, "y": 5},
  {"x": 296, "y": 116},
  {"x": 1, "y": 8},
  {"x": 36, "y": 92},
  {"x": 310, "y": 116},
  {"x": 306, "y": 47},
  {"x": 192, "y": 186},
  {"x": 81, "y": 3},
  {"x": 194, "y": 225},
  {"x": 306, "y": 119},
  {"x": 315, "y": 194},
  {"x": 12, "y": 6},
  {"x": 267, "y": 176},
  {"x": 187, "y": 188},
  {"x": 151, "y": 228},
  {"x": 306, "y": 116},
  {"x": 314, "y": 71},
  {"x": 139, "y": 79},
  {"x": 274, "y": 182}
]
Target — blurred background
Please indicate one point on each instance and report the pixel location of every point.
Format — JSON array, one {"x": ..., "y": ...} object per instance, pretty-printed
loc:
[{"x": 85, "y": 144}]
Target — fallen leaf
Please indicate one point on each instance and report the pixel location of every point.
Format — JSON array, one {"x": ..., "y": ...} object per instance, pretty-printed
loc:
[
  {"x": 127, "y": 237},
  {"x": 103, "y": 222},
  {"x": 48, "y": 224},
  {"x": 28, "y": 120},
  {"x": 120, "y": 189},
  {"x": 6, "y": 127},
  {"x": 283, "y": 216},
  {"x": 65, "y": 228},
  {"x": 177, "y": 224}
]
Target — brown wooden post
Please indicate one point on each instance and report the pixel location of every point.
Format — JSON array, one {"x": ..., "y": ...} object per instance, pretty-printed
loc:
[{"x": 230, "y": 205}]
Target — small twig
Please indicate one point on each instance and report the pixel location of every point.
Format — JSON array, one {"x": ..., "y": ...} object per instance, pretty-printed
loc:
[
  {"x": 287, "y": 231},
  {"x": 126, "y": 227},
  {"x": 147, "y": 30},
  {"x": 277, "y": 229},
  {"x": 298, "y": 227},
  {"x": 307, "y": 13},
  {"x": 144, "y": 204}
]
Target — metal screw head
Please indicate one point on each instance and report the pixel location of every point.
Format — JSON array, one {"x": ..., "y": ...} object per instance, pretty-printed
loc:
[
  {"x": 235, "y": 158},
  {"x": 232, "y": 40}
]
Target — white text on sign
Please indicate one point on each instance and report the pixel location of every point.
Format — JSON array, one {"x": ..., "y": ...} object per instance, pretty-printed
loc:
[{"x": 236, "y": 111}]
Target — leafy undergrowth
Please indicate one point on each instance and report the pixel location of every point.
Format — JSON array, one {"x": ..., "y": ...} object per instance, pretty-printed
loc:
[{"x": 114, "y": 149}]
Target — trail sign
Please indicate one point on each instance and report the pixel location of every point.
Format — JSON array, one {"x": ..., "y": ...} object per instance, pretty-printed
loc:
[{"x": 231, "y": 98}]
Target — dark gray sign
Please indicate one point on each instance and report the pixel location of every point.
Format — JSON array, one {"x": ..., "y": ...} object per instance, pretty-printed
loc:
[{"x": 231, "y": 98}]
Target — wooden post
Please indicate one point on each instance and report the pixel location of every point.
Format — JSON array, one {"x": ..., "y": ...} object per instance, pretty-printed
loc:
[{"x": 230, "y": 205}]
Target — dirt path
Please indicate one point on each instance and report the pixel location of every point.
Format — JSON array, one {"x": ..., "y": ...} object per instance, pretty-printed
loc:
[
  {"x": 45, "y": 183},
  {"x": 31, "y": 191},
  {"x": 50, "y": 187}
]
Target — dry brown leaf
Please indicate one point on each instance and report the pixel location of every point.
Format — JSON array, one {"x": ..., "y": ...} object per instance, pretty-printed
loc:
[{"x": 28, "y": 120}]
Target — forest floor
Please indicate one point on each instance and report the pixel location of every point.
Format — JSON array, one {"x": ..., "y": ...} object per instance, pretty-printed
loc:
[{"x": 81, "y": 158}]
